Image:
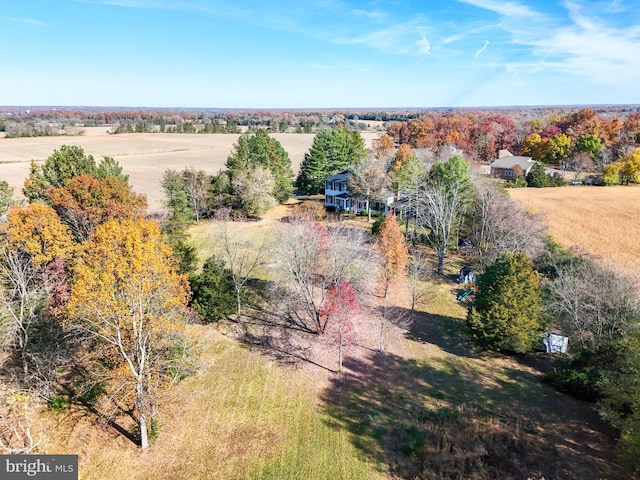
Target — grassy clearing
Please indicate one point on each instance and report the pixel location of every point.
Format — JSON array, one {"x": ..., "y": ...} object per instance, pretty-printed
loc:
[
  {"x": 429, "y": 407},
  {"x": 443, "y": 410},
  {"x": 602, "y": 221},
  {"x": 240, "y": 417}
]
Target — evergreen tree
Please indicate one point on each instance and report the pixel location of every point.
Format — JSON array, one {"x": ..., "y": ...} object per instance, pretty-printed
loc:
[
  {"x": 181, "y": 215},
  {"x": 57, "y": 170},
  {"x": 537, "y": 177},
  {"x": 332, "y": 151},
  {"x": 213, "y": 290},
  {"x": 259, "y": 150},
  {"x": 63, "y": 165},
  {"x": 507, "y": 312},
  {"x": 452, "y": 172},
  {"x": 108, "y": 167}
]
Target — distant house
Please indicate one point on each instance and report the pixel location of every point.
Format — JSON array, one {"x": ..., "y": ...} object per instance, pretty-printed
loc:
[
  {"x": 337, "y": 196},
  {"x": 505, "y": 165}
]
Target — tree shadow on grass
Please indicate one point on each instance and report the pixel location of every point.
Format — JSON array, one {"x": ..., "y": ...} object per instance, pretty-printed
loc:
[
  {"x": 446, "y": 332},
  {"x": 444, "y": 419}
]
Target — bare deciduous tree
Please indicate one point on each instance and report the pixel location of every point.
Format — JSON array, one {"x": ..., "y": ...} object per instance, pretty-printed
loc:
[
  {"x": 368, "y": 179},
  {"x": 438, "y": 214},
  {"x": 255, "y": 187},
  {"x": 501, "y": 225},
  {"x": 16, "y": 424},
  {"x": 418, "y": 270},
  {"x": 579, "y": 163},
  {"x": 593, "y": 305},
  {"x": 243, "y": 256},
  {"x": 22, "y": 297},
  {"x": 310, "y": 259},
  {"x": 196, "y": 184}
]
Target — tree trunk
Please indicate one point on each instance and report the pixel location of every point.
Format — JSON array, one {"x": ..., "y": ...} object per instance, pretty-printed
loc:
[
  {"x": 441, "y": 255},
  {"x": 239, "y": 306},
  {"x": 142, "y": 419},
  {"x": 340, "y": 356},
  {"x": 144, "y": 434}
]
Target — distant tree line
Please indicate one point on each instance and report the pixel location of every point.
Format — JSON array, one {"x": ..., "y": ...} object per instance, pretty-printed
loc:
[{"x": 480, "y": 133}]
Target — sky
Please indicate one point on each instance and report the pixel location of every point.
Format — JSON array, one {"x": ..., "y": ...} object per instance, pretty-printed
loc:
[{"x": 319, "y": 53}]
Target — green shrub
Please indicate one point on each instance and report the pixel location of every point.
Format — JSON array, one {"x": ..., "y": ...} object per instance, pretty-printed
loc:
[
  {"x": 213, "y": 290},
  {"x": 577, "y": 383},
  {"x": 375, "y": 227},
  {"x": 517, "y": 182},
  {"x": 58, "y": 402},
  {"x": 91, "y": 395},
  {"x": 506, "y": 314}
]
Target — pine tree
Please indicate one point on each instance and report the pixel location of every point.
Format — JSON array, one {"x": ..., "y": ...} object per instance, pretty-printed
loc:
[
  {"x": 507, "y": 312},
  {"x": 259, "y": 150},
  {"x": 332, "y": 151}
]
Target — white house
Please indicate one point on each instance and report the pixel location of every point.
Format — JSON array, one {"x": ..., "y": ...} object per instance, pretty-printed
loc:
[{"x": 336, "y": 195}]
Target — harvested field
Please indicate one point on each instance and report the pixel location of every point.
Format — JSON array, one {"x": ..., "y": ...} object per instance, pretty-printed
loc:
[
  {"x": 144, "y": 156},
  {"x": 602, "y": 221}
]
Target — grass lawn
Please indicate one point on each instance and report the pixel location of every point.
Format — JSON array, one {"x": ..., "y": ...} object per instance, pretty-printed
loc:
[{"x": 430, "y": 406}]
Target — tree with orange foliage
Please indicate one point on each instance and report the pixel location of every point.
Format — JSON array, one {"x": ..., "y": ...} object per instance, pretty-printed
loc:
[
  {"x": 85, "y": 202},
  {"x": 31, "y": 239},
  {"x": 404, "y": 151},
  {"x": 395, "y": 255},
  {"x": 130, "y": 302},
  {"x": 383, "y": 146},
  {"x": 395, "y": 260}
]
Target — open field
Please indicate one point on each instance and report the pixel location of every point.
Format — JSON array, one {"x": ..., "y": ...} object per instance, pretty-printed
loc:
[
  {"x": 144, "y": 156},
  {"x": 602, "y": 221}
]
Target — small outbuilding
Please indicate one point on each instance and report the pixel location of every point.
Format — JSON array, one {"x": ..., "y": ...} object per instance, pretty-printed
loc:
[{"x": 555, "y": 343}]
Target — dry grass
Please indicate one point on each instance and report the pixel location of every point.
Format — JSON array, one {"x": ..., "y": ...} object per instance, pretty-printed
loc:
[
  {"x": 240, "y": 417},
  {"x": 144, "y": 156},
  {"x": 428, "y": 407},
  {"x": 602, "y": 221}
]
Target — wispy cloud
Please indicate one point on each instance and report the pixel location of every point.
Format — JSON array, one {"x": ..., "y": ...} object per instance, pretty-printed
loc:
[
  {"x": 482, "y": 49},
  {"x": 578, "y": 44},
  {"x": 375, "y": 15},
  {"x": 616, "y": 6},
  {"x": 424, "y": 47},
  {"x": 30, "y": 21},
  {"x": 506, "y": 9},
  {"x": 399, "y": 39}
]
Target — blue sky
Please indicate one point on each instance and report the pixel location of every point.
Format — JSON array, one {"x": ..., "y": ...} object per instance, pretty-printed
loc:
[{"x": 319, "y": 53}]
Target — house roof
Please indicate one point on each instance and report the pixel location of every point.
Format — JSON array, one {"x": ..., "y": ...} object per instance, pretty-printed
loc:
[
  {"x": 510, "y": 162},
  {"x": 343, "y": 195},
  {"x": 338, "y": 177}
]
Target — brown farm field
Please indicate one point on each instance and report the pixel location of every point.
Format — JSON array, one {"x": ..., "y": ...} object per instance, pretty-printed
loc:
[
  {"x": 144, "y": 156},
  {"x": 601, "y": 221}
]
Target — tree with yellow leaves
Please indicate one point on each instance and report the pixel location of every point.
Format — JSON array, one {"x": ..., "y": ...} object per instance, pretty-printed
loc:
[
  {"x": 31, "y": 239},
  {"x": 130, "y": 300},
  {"x": 625, "y": 171}
]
